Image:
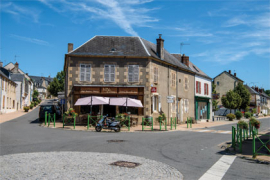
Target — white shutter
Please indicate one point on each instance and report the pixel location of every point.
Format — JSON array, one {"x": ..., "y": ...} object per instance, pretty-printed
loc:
[
  {"x": 82, "y": 71},
  {"x": 88, "y": 72},
  {"x": 112, "y": 73},
  {"x": 136, "y": 73},
  {"x": 159, "y": 103},
  {"x": 130, "y": 73},
  {"x": 106, "y": 73}
]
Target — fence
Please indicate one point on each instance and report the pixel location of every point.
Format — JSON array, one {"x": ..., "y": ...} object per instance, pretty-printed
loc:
[
  {"x": 173, "y": 123},
  {"x": 255, "y": 151},
  {"x": 124, "y": 122},
  {"x": 189, "y": 122},
  {"x": 162, "y": 122},
  {"x": 67, "y": 120},
  {"x": 92, "y": 120},
  {"x": 147, "y": 123},
  {"x": 49, "y": 118}
]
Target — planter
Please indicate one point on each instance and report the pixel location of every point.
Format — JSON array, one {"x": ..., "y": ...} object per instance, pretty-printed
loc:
[
  {"x": 257, "y": 126},
  {"x": 26, "y": 110}
]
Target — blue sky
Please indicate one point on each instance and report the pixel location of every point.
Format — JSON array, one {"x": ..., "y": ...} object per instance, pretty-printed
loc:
[{"x": 221, "y": 34}]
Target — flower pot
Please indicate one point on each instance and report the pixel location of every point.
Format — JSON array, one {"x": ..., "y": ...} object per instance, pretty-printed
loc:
[
  {"x": 257, "y": 126},
  {"x": 26, "y": 110}
]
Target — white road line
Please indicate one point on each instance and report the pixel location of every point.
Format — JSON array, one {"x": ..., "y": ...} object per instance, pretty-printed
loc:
[
  {"x": 225, "y": 132},
  {"x": 204, "y": 130},
  {"x": 219, "y": 169}
]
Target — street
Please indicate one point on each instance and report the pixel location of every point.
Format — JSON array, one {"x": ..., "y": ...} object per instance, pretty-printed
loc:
[{"x": 192, "y": 153}]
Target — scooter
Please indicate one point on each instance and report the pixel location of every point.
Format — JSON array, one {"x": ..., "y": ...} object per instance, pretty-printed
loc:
[{"x": 106, "y": 123}]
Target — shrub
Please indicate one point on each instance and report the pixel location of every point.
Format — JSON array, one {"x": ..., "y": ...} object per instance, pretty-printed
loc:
[
  {"x": 247, "y": 114},
  {"x": 26, "y": 108},
  {"x": 161, "y": 117},
  {"x": 254, "y": 111},
  {"x": 230, "y": 116},
  {"x": 238, "y": 115},
  {"x": 71, "y": 112},
  {"x": 254, "y": 122},
  {"x": 31, "y": 106},
  {"x": 242, "y": 124},
  {"x": 264, "y": 114}
]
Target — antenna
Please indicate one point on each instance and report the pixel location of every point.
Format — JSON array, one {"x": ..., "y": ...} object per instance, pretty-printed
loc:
[
  {"x": 181, "y": 46},
  {"x": 253, "y": 83},
  {"x": 15, "y": 58}
]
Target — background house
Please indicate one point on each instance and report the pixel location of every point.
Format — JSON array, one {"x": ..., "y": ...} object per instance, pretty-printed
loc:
[
  {"x": 41, "y": 84},
  {"x": 115, "y": 66},
  {"x": 255, "y": 99},
  {"x": 264, "y": 101}
]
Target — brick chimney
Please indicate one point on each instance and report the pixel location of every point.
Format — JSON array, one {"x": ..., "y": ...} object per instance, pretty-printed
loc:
[
  {"x": 256, "y": 89},
  {"x": 160, "y": 47},
  {"x": 260, "y": 90},
  {"x": 234, "y": 74},
  {"x": 16, "y": 68},
  {"x": 70, "y": 47},
  {"x": 1, "y": 64},
  {"x": 230, "y": 71},
  {"x": 185, "y": 60}
]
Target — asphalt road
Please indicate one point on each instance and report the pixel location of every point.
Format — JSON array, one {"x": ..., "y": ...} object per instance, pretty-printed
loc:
[{"x": 192, "y": 153}]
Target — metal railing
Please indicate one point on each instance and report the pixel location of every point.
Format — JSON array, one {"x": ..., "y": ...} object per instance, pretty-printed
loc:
[
  {"x": 255, "y": 151},
  {"x": 162, "y": 122},
  {"x": 125, "y": 123},
  {"x": 173, "y": 123},
  {"x": 92, "y": 120},
  {"x": 69, "y": 119},
  {"x": 189, "y": 122},
  {"x": 50, "y": 118},
  {"x": 147, "y": 123}
]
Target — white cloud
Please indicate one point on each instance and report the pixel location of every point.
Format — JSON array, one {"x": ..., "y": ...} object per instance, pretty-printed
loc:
[
  {"x": 31, "y": 40},
  {"x": 125, "y": 14}
]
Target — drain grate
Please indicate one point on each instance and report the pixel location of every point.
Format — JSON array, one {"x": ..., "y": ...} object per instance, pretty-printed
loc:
[
  {"x": 125, "y": 164},
  {"x": 116, "y": 140}
]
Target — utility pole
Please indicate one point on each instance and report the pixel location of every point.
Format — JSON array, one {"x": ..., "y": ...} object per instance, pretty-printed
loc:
[{"x": 181, "y": 46}]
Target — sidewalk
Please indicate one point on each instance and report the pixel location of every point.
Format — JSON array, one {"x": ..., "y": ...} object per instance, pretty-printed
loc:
[{"x": 9, "y": 116}]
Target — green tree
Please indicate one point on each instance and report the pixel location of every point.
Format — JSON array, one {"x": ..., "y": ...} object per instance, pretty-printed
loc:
[
  {"x": 214, "y": 102},
  {"x": 267, "y": 92},
  {"x": 232, "y": 100},
  {"x": 35, "y": 94},
  {"x": 58, "y": 84},
  {"x": 244, "y": 94}
]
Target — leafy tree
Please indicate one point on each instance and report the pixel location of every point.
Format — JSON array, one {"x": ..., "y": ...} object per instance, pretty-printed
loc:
[
  {"x": 214, "y": 102},
  {"x": 244, "y": 94},
  {"x": 35, "y": 94},
  {"x": 58, "y": 84},
  {"x": 232, "y": 100},
  {"x": 267, "y": 92}
]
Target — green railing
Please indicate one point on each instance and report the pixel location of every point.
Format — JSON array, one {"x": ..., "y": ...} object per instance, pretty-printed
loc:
[
  {"x": 125, "y": 123},
  {"x": 50, "y": 118},
  {"x": 147, "y": 123},
  {"x": 189, "y": 122},
  {"x": 92, "y": 120},
  {"x": 173, "y": 123},
  {"x": 255, "y": 136},
  {"x": 67, "y": 120},
  {"x": 162, "y": 122}
]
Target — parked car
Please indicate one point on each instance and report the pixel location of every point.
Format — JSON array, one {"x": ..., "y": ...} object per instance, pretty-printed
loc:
[{"x": 50, "y": 109}]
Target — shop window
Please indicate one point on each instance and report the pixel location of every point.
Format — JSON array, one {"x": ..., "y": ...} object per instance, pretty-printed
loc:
[
  {"x": 109, "y": 73},
  {"x": 133, "y": 73},
  {"x": 198, "y": 87},
  {"x": 85, "y": 72},
  {"x": 155, "y": 75}
]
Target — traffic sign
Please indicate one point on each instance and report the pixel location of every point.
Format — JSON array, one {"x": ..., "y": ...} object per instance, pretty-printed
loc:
[{"x": 62, "y": 101}]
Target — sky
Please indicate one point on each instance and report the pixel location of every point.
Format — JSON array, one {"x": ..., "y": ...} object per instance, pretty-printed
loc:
[{"x": 217, "y": 35}]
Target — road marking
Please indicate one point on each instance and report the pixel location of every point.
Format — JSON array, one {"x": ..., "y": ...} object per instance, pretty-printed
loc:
[
  {"x": 204, "y": 131},
  {"x": 219, "y": 169},
  {"x": 225, "y": 132}
]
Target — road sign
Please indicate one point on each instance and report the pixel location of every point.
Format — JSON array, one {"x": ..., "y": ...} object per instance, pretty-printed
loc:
[
  {"x": 153, "y": 89},
  {"x": 169, "y": 100},
  {"x": 61, "y": 96},
  {"x": 62, "y": 101},
  {"x": 170, "y": 97}
]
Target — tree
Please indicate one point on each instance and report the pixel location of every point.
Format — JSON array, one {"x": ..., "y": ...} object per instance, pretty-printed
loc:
[
  {"x": 35, "y": 94},
  {"x": 232, "y": 100},
  {"x": 214, "y": 102},
  {"x": 267, "y": 92},
  {"x": 58, "y": 84},
  {"x": 244, "y": 94}
]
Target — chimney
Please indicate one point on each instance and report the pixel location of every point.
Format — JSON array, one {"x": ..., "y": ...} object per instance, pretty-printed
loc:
[
  {"x": 234, "y": 74},
  {"x": 1, "y": 64},
  {"x": 16, "y": 68},
  {"x": 230, "y": 71},
  {"x": 26, "y": 74},
  {"x": 260, "y": 90},
  {"x": 256, "y": 89},
  {"x": 160, "y": 47},
  {"x": 185, "y": 60},
  {"x": 70, "y": 47}
]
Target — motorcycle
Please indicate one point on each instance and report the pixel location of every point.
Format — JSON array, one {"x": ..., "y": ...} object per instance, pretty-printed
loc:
[{"x": 106, "y": 123}]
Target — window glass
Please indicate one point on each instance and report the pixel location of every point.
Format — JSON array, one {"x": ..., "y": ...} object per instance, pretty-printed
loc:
[
  {"x": 133, "y": 73},
  {"x": 85, "y": 72},
  {"x": 109, "y": 73}
]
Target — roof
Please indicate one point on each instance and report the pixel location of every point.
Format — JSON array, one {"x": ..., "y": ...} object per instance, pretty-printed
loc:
[
  {"x": 232, "y": 76},
  {"x": 124, "y": 46},
  {"x": 252, "y": 91},
  {"x": 193, "y": 67},
  {"x": 265, "y": 95},
  {"x": 39, "y": 80},
  {"x": 4, "y": 72},
  {"x": 17, "y": 77}
]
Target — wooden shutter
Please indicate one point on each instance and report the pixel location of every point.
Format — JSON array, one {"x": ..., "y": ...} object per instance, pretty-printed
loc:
[
  {"x": 82, "y": 72},
  {"x": 197, "y": 87},
  {"x": 106, "y": 73}
]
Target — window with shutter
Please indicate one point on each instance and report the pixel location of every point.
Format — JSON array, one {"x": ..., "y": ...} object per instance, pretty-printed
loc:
[
  {"x": 85, "y": 72},
  {"x": 133, "y": 73},
  {"x": 197, "y": 87},
  {"x": 173, "y": 79},
  {"x": 109, "y": 73}
]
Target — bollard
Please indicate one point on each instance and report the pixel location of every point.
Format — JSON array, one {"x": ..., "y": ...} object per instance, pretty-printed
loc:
[
  {"x": 253, "y": 144},
  {"x": 88, "y": 121},
  {"x": 54, "y": 119},
  {"x": 128, "y": 123},
  {"x": 45, "y": 118},
  {"x": 240, "y": 145},
  {"x": 49, "y": 119},
  {"x": 233, "y": 137},
  {"x": 74, "y": 120}
]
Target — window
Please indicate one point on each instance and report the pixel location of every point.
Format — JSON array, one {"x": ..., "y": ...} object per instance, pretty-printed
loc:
[
  {"x": 186, "y": 83},
  {"x": 85, "y": 72},
  {"x": 109, "y": 73},
  {"x": 173, "y": 79},
  {"x": 186, "y": 105},
  {"x": 218, "y": 83},
  {"x": 156, "y": 103},
  {"x": 155, "y": 75},
  {"x": 174, "y": 105},
  {"x": 198, "y": 87},
  {"x": 133, "y": 73},
  {"x": 206, "y": 91}
]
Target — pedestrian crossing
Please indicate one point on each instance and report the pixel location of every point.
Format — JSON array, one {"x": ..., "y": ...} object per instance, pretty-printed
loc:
[{"x": 211, "y": 131}]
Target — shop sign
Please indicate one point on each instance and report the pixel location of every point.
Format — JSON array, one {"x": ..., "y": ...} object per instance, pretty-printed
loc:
[
  {"x": 153, "y": 89},
  {"x": 170, "y": 99}
]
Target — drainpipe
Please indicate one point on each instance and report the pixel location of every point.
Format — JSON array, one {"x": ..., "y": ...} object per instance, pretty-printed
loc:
[
  {"x": 168, "y": 94},
  {"x": 177, "y": 110}
]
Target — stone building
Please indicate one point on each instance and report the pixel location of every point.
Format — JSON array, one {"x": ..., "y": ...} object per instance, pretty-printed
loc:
[
  {"x": 255, "y": 99},
  {"x": 41, "y": 84},
  {"x": 264, "y": 101},
  {"x": 117, "y": 66},
  {"x": 8, "y": 102},
  {"x": 224, "y": 82}
]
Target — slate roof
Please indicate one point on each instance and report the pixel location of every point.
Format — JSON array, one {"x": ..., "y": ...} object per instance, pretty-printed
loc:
[
  {"x": 17, "y": 77},
  {"x": 193, "y": 67},
  {"x": 231, "y": 75},
  {"x": 252, "y": 91},
  {"x": 124, "y": 46},
  {"x": 4, "y": 72},
  {"x": 39, "y": 80}
]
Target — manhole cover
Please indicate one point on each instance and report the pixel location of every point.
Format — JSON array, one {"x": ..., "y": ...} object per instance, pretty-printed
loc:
[
  {"x": 116, "y": 140},
  {"x": 125, "y": 164}
]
